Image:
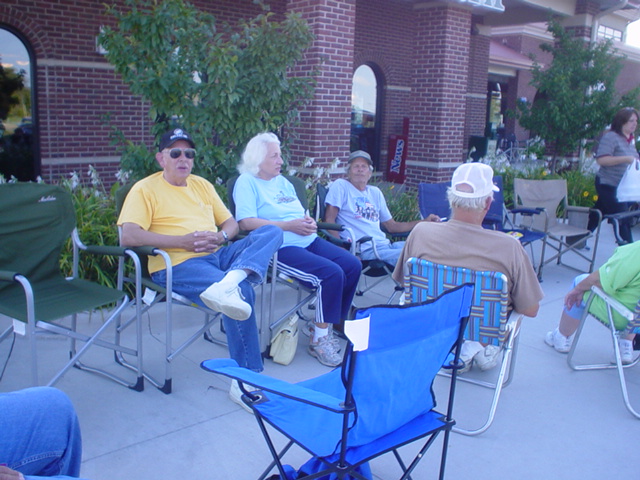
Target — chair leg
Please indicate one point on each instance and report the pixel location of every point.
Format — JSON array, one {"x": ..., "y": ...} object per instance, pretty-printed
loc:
[
  {"x": 605, "y": 366},
  {"x": 505, "y": 376}
]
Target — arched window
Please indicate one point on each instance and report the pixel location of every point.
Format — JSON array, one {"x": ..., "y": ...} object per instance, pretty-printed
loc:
[
  {"x": 18, "y": 139},
  {"x": 365, "y": 112}
]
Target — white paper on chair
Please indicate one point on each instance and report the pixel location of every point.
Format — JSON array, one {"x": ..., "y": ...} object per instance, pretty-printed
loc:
[{"x": 357, "y": 331}]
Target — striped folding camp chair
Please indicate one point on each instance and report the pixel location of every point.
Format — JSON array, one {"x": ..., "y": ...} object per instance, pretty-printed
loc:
[
  {"x": 489, "y": 322},
  {"x": 632, "y": 322}
]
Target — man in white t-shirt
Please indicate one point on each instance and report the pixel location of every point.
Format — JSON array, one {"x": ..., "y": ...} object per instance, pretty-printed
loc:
[{"x": 361, "y": 207}]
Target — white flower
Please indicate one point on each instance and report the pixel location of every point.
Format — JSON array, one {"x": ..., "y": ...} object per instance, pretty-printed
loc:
[
  {"x": 74, "y": 180},
  {"x": 308, "y": 161},
  {"x": 291, "y": 172},
  {"x": 123, "y": 176}
]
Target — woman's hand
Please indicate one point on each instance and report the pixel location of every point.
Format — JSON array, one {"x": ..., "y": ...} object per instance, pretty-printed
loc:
[
  {"x": 7, "y": 474},
  {"x": 574, "y": 297},
  {"x": 303, "y": 226}
]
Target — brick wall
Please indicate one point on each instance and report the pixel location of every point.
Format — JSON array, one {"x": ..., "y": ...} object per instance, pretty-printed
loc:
[
  {"x": 384, "y": 40},
  {"x": 441, "y": 69},
  {"x": 75, "y": 86},
  {"x": 326, "y": 124}
]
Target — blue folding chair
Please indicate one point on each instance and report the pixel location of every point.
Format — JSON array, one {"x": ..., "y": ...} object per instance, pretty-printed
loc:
[
  {"x": 432, "y": 198},
  {"x": 489, "y": 322},
  {"x": 380, "y": 399}
]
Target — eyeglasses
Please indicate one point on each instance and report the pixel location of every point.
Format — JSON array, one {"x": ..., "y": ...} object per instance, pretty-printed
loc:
[{"x": 188, "y": 152}]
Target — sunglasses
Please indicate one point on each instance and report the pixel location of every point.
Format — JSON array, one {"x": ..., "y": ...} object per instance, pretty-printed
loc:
[{"x": 188, "y": 152}]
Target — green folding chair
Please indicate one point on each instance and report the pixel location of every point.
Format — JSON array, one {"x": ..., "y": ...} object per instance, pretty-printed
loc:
[
  {"x": 37, "y": 220},
  {"x": 149, "y": 293}
]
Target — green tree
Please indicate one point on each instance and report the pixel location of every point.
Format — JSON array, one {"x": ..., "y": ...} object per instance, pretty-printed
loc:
[
  {"x": 223, "y": 84},
  {"x": 11, "y": 82},
  {"x": 576, "y": 92}
]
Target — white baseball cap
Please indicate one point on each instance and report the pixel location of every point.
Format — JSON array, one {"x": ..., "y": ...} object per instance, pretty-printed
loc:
[{"x": 478, "y": 176}]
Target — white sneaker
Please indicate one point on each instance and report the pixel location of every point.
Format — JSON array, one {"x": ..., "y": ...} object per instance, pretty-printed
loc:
[
  {"x": 626, "y": 351},
  {"x": 235, "y": 394},
  {"x": 325, "y": 351},
  {"x": 308, "y": 330},
  {"x": 468, "y": 351},
  {"x": 487, "y": 358},
  {"x": 226, "y": 299},
  {"x": 558, "y": 341}
]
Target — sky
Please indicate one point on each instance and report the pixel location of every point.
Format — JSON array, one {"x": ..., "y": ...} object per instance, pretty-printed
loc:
[{"x": 14, "y": 54}]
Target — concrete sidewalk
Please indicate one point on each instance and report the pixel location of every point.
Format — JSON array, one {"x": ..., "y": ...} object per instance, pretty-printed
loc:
[{"x": 551, "y": 423}]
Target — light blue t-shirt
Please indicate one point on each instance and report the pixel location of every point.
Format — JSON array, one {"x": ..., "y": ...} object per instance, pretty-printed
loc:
[{"x": 274, "y": 200}]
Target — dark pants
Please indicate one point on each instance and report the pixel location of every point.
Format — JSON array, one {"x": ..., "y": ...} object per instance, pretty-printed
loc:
[
  {"x": 608, "y": 203},
  {"x": 332, "y": 270}
]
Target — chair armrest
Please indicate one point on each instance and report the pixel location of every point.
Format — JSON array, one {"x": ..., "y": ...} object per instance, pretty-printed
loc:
[
  {"x": 330, "y": 226},
  {"x": 105, "y": 250},
  {"x": 574, "y": 208},
  {"x": 7, "y": 276},
  {"x": 527, "y": 211},
  {"x": 612, "y": 302},
  {"x": 362, "y": 240},
  {"x": 230, "y": 368},
  {"x": 622, "y": 216},
  {"x": 145, "y": 250}
]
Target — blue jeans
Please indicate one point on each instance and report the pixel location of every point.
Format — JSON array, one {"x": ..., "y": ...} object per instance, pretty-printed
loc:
[
  {"x": 40, "y": 433},
  {"x": 389, "y": 253},
  {"x": 194, "y": 276},
  {"x": 577, "y": 310},
  {"x": 333, "y": 270}
]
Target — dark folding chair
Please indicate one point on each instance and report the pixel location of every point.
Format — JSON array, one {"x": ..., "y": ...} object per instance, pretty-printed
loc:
[
  {"x": 306, "y": 292},
  {"x": 432, "y": 198},
  {"x": 497, "y": 218},
  {"x": 37, "y": 220},
  {"x": 376, "y": 268},
  {"x": 356, "y": 413}
]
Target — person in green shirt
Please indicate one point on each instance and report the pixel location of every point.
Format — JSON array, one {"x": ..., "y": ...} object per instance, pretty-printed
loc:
[{"x": 619, "y": 278}]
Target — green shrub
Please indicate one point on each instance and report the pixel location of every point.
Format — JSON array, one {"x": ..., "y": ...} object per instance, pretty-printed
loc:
[
  {"x": 402, "y": 204},
  {"x": 96, "y": 223},
  {"x": 579, "y": 175}
]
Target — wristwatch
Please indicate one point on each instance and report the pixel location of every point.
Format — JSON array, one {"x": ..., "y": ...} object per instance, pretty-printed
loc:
[{"x": 225, "y": 235}]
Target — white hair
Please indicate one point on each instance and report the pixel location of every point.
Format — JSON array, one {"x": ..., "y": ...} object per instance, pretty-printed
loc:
[
  {"x": 456, "y": 201},
  {"x": 255, "y": 152}
]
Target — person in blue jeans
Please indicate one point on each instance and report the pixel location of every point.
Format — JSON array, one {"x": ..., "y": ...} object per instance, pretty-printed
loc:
[
  {"x": 263, "y": 197},
  {"x": 183, "y": 214},
  {"x": 39, "y": 435}
]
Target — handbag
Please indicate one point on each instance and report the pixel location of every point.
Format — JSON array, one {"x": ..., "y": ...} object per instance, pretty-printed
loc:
[
  {"x": 629, "y": 186},
  {"x": 284, "y": 341}
]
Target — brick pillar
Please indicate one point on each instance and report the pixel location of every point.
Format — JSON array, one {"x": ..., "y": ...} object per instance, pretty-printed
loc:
[
  {"x": 326, "y": 123},
  {"x": 441, "y": 65},
  {"x": 476, "y": 110}
]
